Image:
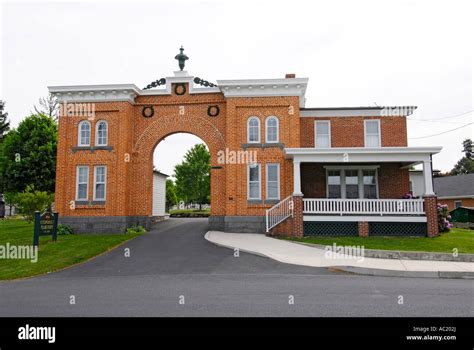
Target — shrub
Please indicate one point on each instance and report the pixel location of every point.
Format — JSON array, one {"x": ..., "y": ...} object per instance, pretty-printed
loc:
[
  {"x": 31, "y": 200},
  {"x": 64, "y": 230},
  {"x": 136, "y": 229},
  {"x": 443, "y": 218}
]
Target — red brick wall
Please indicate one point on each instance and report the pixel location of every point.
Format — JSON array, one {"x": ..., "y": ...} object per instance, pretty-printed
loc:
[
  {"x": 349, "y": 131},
  {"x": 465, "y": 202}
]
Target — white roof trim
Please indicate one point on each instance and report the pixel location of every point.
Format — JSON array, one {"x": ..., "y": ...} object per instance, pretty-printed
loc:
[
  {"x": 462, "y": 196},
  {"x": 95, "y": 93},
  {"x": 362, "y": 154},
  {"x": 389, "y": 111},
  {"x": 265, "y": 88}
]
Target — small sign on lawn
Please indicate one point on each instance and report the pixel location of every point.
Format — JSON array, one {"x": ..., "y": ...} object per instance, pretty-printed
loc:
[{"x": 45, "y": 224}]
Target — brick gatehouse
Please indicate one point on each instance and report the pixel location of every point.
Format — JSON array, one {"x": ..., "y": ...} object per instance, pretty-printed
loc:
[{"x": 316, "y": 169}]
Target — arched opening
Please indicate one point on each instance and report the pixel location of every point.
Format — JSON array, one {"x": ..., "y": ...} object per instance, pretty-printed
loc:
[
  {"x": 181, "y": 176},
  {"x": 140, "y": 198}
]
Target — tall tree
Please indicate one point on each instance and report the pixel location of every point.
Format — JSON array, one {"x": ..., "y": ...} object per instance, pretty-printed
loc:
[
  {"x": 49, "y": 106},
  {"x": 28, "y": 155},
  {"x": 193, "y": 176},
  {"x": 4, "y": 123},
  {"x": 466, "y": 164}
]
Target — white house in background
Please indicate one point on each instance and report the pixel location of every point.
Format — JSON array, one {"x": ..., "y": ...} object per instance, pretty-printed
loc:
[{"x": 159, "y": 195}]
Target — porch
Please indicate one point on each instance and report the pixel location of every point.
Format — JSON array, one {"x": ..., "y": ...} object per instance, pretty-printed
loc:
[{"x": 358, "y": 191}]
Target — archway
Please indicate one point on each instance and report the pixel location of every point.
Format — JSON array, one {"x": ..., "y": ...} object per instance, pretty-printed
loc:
[{"x": 142, "y": 163}]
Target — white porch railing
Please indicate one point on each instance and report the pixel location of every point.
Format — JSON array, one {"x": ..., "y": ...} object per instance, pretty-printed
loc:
[
  {"x": 363, "y": 206},
  {"x": 278, "y": 213}
]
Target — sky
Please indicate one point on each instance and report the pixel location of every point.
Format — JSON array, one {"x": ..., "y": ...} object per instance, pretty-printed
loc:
[{"x": 355, "y": 53}]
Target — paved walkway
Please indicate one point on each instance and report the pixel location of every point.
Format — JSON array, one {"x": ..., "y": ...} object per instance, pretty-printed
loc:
[{"x": 298, "y": 254}]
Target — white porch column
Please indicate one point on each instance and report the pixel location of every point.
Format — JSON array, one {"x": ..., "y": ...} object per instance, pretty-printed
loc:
[
  {"x": 428, "y": 177},
  {"x": 296, "y": 179}
]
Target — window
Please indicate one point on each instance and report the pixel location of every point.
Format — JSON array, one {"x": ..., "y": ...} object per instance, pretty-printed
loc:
[
  {"x": 370, "y": 184},
  {"x": 101, "y": 133},
  {"x": 253, "y": 177},
  {"x": 100, "y": 175},
  {"x": 82, "y": 182},
  {"x": 253, "y": 130},
  {"x": 84, "y": 137},
  {"x": 334, "y": 184},
  {"x": 372, "y": 133},
  {"x": 273, "y": 181},
  {"x": 352, "y": 183},
  {"x": 271, "y": 129},
  {"x": 457, "y": 204},
  {"x": 322, "y": 134}
]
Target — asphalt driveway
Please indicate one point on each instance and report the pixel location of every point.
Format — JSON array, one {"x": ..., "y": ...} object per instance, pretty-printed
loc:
[{"x": 173, "y": 271}]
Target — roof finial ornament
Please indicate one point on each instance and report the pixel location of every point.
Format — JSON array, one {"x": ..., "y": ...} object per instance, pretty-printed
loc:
[{"x": 181, "y": 57}]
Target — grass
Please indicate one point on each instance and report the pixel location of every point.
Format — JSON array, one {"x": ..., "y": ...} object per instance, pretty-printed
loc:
[
  {"x": 462, "y": 240},
  {"x": 52, "y": 256},
  {"x": 190, "y": 213}
]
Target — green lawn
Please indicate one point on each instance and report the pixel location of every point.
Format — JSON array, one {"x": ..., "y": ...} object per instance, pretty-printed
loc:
[
  {"x": 67, "y": 251},
  {"x": 190, "y": 213},
  {"x": 461, "y": 239}
]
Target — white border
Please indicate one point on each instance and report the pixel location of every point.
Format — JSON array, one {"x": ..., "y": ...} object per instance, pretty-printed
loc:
[
  {"x": 385, "y": 218},
  {"x": 315, "y": 132}
]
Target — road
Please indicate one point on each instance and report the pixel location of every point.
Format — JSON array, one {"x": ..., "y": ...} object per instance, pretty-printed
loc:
[{"x": 174, "y": 271}]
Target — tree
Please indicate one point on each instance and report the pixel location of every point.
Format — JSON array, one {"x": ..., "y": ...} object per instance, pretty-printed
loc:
[
  {"x": 171, "y": 197},
  {"x": 32, "y": 200},
  {"x": 4, "y": 123},
  {"x": 28, "y": 156},
  {"x": 193, "y": 176},
  {"x": 48, "y": 106},
  {"x": 466, "y": 164}
]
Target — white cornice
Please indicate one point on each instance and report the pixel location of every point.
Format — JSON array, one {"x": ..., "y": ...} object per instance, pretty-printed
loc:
[
  {"x": 95, "y": 93},
  {"x": 265, "y": 88}
]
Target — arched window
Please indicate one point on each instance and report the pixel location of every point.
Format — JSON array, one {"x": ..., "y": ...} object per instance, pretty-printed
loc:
[
  {"x": 84, "y": 137},
  {"x": 271, "y": 129},
  {"x": 253, "y": 130},
  {"x": 101, "y": 133}
]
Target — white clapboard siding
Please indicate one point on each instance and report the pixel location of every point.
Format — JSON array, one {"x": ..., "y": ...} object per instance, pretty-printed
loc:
[{"x": 159, "y": 194}]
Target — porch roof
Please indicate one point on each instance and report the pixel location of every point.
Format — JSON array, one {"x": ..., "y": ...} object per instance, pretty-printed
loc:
[{"x": 407, "y": 155}]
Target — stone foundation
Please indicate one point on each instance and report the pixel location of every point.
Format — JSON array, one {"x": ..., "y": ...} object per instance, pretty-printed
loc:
[{"x": 104, "y": 224}]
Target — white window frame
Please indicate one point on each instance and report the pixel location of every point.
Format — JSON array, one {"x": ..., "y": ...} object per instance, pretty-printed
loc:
[
  {"x": 267, "y": 181},
  {"x": 97, "y": 133},
  {"x": 455, "y": 204},
  {"x": 360, "y": 175},
  {"x": 248, "y": 129},
  {"x": 277, "y": 129},
  {"x": 98, "y": 183},
  {"x": 366, "y": 134},
  {"x": 328, "y": 122},
  {"x": 79, "y": 128},
  {"x": 259, "y": 182},
  {"x": 78, "y": 183}
]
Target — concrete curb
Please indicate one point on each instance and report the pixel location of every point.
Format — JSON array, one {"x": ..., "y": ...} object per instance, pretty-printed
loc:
[
  {"x": 397, "y": 254},
  {"x": 362, "y": 270}
]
